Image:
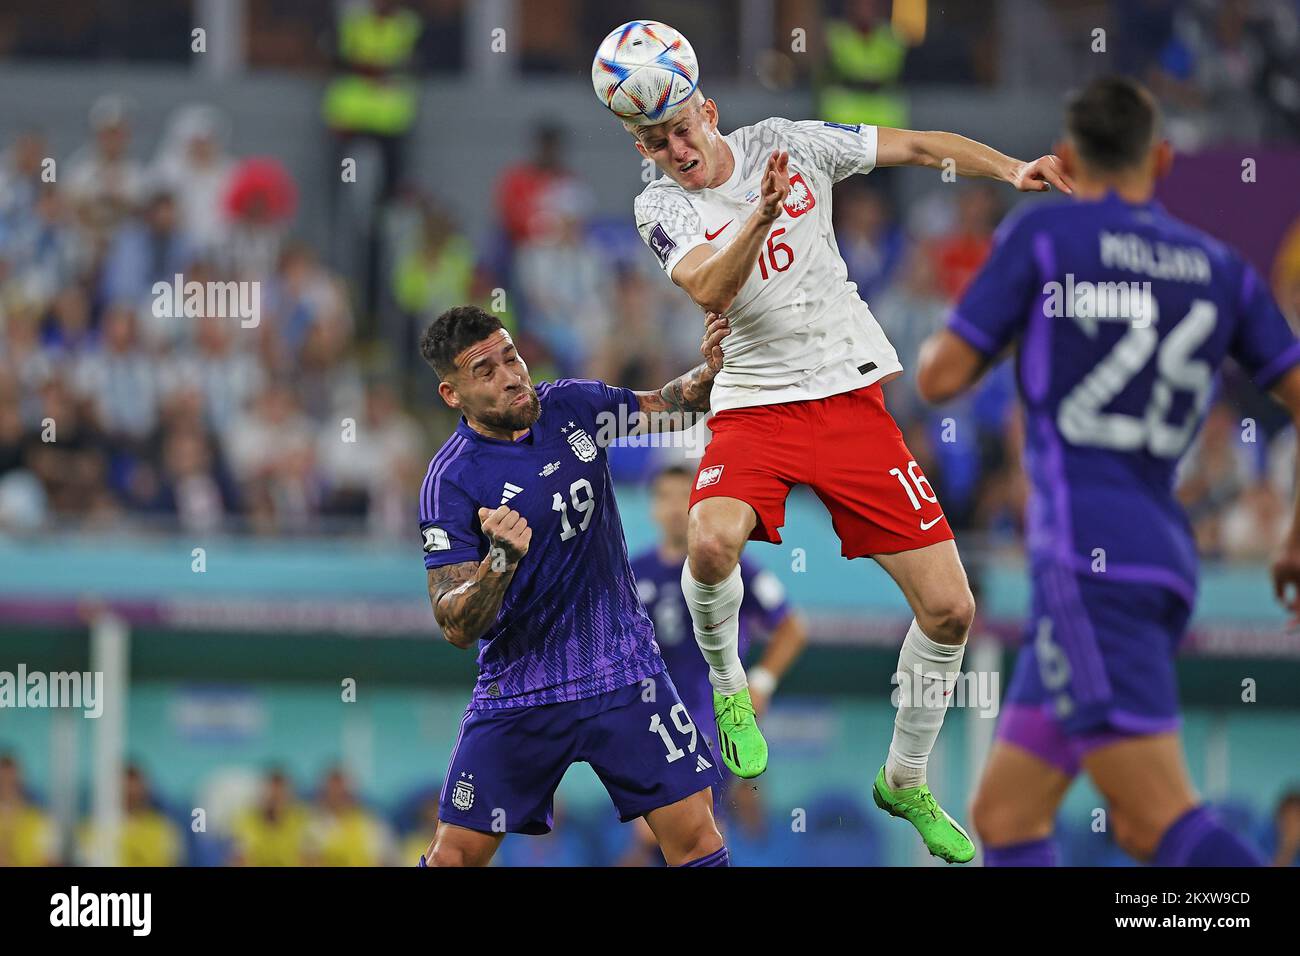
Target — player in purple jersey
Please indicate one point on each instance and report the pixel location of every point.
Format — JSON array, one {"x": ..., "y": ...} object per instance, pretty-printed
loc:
[
  {"x": 1121, "y": 316},
  {"x": 658, "y": 572},
  {"x": 526, "y": 559}
]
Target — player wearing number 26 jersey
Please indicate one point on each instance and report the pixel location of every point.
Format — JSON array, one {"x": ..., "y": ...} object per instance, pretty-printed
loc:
[{"x": 1121, "y": 316}]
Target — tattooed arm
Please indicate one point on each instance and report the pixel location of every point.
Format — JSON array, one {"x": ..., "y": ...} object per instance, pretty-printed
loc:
[
  {"x": 467, "y": 597},
  {"x": 683, "y": 401}
]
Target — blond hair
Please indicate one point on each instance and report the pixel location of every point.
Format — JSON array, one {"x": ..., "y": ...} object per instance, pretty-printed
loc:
[{"x": 693, "y": 104}]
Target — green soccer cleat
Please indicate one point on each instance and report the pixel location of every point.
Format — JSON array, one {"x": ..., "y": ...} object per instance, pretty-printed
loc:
[
  {"x": 743, "y": 748},
  {"x": 943, "y": 835}
]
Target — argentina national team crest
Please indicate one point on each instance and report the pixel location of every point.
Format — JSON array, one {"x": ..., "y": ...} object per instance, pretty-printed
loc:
[
  {"x": 462, "y": 794},
  {"x": 583, "y": 446}
]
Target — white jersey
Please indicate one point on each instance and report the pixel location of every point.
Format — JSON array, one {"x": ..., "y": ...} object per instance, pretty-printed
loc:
[{"x": 799, "y": 328}]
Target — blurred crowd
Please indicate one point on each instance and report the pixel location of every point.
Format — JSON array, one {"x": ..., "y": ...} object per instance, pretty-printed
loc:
[
  {"x": 1225, "y": 58},
  {"x": 271, "y": 823},
  {"x": 119, "y": 403},
  {"x": 115, "y": 412},
  {"x": 121, "y": 408}
]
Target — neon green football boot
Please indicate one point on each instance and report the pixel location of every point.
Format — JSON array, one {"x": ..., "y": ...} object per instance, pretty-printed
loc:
[
  {"x": 943, "y": 836},
  {"x": 742, "y": 746}
]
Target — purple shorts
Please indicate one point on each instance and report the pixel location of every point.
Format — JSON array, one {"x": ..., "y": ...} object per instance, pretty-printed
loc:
[
  {"x": 639, "y": 739},
  {"x": 1097, "y": 666}
]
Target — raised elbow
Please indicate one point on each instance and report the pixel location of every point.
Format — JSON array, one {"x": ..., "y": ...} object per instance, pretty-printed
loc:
[
  {"x": 457, "y": 639},
  {"x": 703, "y": 293},
  {"x": 452, "y": 633},
  {"x": 945, "y": 368},
  {"x": 933, "y": 383},
  {"x": 708, "y": 299}
]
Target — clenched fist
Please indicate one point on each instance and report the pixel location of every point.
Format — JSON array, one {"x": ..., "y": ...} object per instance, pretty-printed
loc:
[{"x": 508, "y": 533}]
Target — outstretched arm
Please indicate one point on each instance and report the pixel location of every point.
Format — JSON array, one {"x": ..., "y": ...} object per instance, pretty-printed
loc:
[
  {"x": 905, "y": 147},
  {"x": 683, "y": 401}
]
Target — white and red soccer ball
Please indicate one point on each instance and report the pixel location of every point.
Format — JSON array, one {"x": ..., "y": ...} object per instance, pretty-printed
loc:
[{"x": 645, "y": 72}]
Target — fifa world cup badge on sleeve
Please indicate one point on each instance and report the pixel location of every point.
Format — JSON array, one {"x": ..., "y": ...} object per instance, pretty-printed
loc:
[{"x": 660, "y": 243}]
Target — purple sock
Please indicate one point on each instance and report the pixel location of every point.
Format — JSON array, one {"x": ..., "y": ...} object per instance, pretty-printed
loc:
[
  {"x": 718, "y": 857},
  {"x": 1197, "y": 838},
  {"x": 1032, "y": 853}
]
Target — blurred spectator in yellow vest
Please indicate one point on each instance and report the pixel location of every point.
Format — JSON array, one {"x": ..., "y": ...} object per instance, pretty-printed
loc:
[
  {"x": 147, "y": 837},
  {"x": 342, "y": 832},
  {"x": 373, "y": 96},
  {"x": 434, "y": 272},
  {"x": 420, "y": 840},
  {"x": 274, "y": 831},
  {"x": 859, "y": 80},
  {"x": 28, "y": 836}
]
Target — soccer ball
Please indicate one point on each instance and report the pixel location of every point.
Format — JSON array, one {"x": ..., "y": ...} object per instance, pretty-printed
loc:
[{"x": 645, "y": 72}]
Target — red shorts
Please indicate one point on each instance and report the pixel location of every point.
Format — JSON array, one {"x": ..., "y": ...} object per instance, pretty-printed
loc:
[{"x": 846, "y": 448}]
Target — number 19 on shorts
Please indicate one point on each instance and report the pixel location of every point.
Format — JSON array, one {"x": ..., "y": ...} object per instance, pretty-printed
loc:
[{"x": 682, "y": 721}]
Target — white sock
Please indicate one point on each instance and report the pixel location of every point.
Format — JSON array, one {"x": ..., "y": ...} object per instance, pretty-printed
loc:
[
  {"x": 715, "y": 614},
  {"x": 922, "y": 664}
]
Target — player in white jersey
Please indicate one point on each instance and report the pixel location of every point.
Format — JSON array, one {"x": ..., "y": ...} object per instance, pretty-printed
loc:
[{"x": 742, "y": 222}]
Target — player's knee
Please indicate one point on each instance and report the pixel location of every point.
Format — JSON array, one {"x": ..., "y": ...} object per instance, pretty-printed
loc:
[
  {"x": 713, "y": 555},
  {"x": 947, "y": 618},
  {"x": 447, "y": 854},
  {"x": 700, "y": 842},
  {"x": 988, "y": 819},
  {"x": 1000, "y": 823},
  {"x": 1135, "y": 835}
]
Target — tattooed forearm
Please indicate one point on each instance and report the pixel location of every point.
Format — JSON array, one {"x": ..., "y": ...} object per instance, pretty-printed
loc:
[
  {"x": 467, "y": 597},
  {"x": 680, "y": 403}
]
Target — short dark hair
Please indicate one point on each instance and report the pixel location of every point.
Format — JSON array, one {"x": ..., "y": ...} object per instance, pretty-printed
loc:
[
  {"x": 670, "y": 471},
  {"x": 1112, "y": 122},
  {"x": 452, "y": 333}
]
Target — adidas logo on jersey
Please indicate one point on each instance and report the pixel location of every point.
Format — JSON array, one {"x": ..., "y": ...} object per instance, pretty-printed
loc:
[
  {"x": 701, "y": 764},
  {"x": 509, "y": 492}
]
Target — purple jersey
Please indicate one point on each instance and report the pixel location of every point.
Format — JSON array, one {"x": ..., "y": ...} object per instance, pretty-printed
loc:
[
  {"x": 1123, "y": 316},
  {"x": 660, "y": 587},
  {"x": 571, "y": 626}
]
